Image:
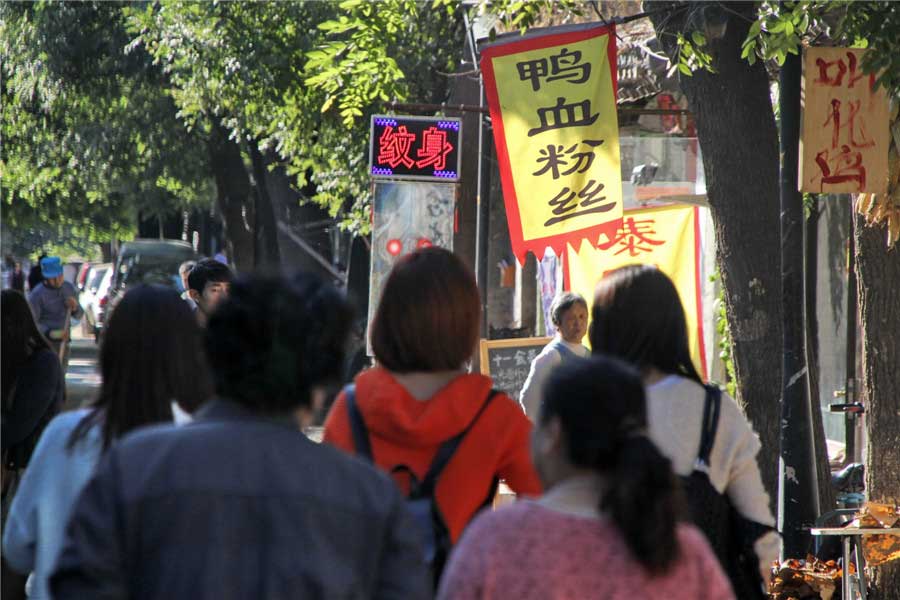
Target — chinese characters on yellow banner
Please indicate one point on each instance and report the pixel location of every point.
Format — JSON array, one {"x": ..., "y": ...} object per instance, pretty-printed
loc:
[
  {"x": 845, "y": 125},
  {"x": 552, "y": 100},
  {"x": 668, "y": 237}
]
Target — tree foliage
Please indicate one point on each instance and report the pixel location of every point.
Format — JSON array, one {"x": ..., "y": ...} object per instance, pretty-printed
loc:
[
  {"x": 298, "y": 78},
  {"x": 90, "y": 140},
  {"x": 783, "y": 28},
  {"x": 111, "y": 104}
]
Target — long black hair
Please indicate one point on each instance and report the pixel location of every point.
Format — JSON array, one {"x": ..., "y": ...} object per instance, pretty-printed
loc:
[
  {"x": 151, "y": 355},
  {"x": 602, "y": 412},
  {"x": 638, "y": 316},
  {"x": 21, "y": 338}
]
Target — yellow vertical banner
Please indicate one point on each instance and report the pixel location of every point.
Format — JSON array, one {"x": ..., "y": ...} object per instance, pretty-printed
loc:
[
  {"x": 668, "y": 237},
  {"x": 552, "y": 98}
]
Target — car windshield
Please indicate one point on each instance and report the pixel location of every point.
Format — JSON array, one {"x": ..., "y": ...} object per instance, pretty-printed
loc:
[
  {"x": 96, "y": 278},
  {"x": 163, "y": 273}
]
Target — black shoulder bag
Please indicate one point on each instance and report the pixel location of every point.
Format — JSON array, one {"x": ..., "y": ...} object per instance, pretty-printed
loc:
[{"x": 730, "y": 534}]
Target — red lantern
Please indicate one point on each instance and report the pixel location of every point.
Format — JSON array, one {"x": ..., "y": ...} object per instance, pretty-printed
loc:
[{"x": 394, "y": 247}]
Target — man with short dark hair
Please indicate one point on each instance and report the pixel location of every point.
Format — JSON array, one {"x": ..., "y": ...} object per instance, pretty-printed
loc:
[
  {"x": 238, "y": 503},
  {"x": 208, "y": 284},
  {"x": 52, "y": 303}
]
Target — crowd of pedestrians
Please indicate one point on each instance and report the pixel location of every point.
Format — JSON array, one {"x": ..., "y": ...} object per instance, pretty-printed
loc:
[
  {"x": 189, "y": 476},
  {"x": 146, "y": 367}
]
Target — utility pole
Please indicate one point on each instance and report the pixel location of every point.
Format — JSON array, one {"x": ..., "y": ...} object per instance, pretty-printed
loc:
[
  {"x": 482, "y": 204},
  {"x": 797, "y": 484}
]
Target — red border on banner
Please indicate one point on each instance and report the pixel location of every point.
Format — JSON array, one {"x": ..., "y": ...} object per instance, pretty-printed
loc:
[
  {"x": 698, "y": 288},
  {"x": 557, "y": 242}
]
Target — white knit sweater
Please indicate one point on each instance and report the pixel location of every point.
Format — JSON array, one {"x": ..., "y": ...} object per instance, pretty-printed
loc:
[{"x": 675, "y": 413}]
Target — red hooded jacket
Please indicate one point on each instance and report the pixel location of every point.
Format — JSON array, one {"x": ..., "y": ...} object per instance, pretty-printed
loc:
[{"x": 403, "y": 430}]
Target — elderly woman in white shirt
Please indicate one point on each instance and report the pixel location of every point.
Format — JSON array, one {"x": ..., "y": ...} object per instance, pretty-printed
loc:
[
  {"x": 569, "y": 312},
  {"x": 637, "y": 316}
]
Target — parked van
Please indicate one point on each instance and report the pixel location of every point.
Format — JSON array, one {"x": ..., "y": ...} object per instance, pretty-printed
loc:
[{"x": 147, "y": 261}]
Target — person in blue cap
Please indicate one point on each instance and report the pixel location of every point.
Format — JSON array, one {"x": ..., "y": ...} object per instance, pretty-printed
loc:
[{"x": 52, "y": 302}]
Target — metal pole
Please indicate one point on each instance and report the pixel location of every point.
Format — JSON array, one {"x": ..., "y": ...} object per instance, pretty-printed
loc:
[
  {"x": 850, "y": 451},
  {"x": 482, "y": 212},
  {"x": 797, "y": 485}
]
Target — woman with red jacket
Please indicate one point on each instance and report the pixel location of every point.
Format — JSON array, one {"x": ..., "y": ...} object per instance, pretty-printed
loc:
[{"x": 419, "y": 394}]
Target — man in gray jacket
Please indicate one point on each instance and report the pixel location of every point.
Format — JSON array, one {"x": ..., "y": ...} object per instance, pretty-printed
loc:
[
  {"x": 239, "y": 504},
  {"x": 53, "y": 301}
]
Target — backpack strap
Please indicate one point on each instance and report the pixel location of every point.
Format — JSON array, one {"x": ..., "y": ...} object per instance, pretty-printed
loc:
[
  {"x": 711, "y": 408},
  {"x": 357, "y": 425},
  {"x": 446, "y": 450}
]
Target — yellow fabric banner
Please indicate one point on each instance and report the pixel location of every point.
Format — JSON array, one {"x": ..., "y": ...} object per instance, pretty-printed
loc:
[
  {"x": 552, "y": 99},
  {"x": 668, "y": 237}
]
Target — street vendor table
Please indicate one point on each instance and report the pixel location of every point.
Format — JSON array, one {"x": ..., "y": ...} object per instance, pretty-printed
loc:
[{"x": 851, "y": 541}]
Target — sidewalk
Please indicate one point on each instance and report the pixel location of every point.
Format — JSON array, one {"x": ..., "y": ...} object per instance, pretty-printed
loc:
[{"x": 83, "y": 376}]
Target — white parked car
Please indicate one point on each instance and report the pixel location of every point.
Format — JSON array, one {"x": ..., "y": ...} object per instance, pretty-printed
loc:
[{"x": 95, "y": 289}]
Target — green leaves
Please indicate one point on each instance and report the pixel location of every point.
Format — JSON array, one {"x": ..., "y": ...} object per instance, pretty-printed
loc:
[
  {"x": 72, "y": 101},
  {"x": 299, "y": 79},
  {"x": 698, "y": 38},
  {"x": 875, "y": 25},
  {"x": 692, "y": 55},
  {"x": 780, "y": 29},
  {"x": 353, "y": 66}
]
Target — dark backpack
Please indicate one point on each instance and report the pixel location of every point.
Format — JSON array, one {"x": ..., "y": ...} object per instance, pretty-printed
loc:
[
  {"x": 730, "y": 534},
  {"x": 420, "y": 502}
]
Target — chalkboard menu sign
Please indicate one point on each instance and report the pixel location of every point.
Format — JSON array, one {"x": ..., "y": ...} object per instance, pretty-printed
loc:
[{"x": 508, "y": 362}]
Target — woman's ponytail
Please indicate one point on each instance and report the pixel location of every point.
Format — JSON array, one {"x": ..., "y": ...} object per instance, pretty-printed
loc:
[
  {"x": 602, "y": 410},
  {"x": 643, "y": 500}
]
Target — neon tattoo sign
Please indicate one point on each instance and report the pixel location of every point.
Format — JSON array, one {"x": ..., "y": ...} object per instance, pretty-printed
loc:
[{"x": 402, "y": 147}]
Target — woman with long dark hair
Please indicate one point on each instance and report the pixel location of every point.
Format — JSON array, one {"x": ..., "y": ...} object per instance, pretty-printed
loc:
[
  {"x": 32, "y": 382},
  {"x": 151, "y": 357},
  {"x": 607, "y": 525},
  {"x": 638, "y": 317}
]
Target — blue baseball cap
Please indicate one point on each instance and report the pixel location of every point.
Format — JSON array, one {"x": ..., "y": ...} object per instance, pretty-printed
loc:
[{"x": 51, "y": 267}]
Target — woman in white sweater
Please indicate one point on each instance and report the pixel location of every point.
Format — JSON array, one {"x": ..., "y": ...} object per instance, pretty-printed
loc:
[{"x": 638, "y": 316}]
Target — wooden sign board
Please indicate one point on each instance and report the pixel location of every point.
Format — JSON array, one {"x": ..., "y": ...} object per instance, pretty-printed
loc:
[
  {"x": 507, "y": 362},
  {"x": 844, "y": 143}
]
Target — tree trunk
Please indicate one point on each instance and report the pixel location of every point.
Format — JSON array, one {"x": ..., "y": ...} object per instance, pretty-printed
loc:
[
  {"x": 736, "y": 130},
  {"x": 265, "y": 233},
  {"x": 234, "y": 197},
  {"x": 878, "y": 272}
]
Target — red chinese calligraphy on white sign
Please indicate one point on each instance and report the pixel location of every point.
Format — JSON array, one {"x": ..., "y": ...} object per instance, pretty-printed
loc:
[{"x": 844, "y": 145}]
